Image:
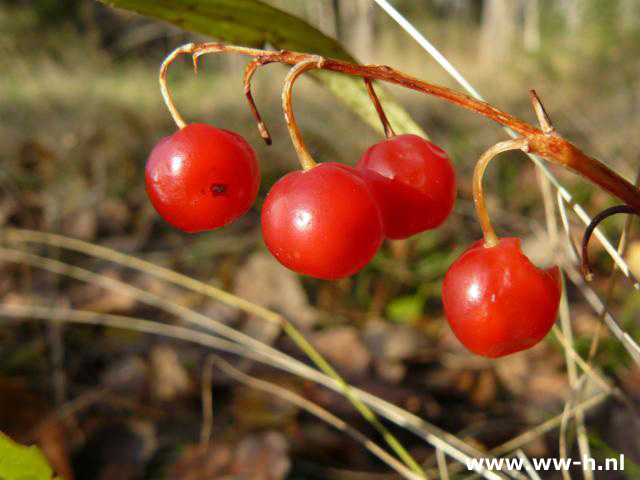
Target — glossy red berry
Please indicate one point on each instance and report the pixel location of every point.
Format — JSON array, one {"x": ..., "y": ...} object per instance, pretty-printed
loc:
[
  {"x": 202, "y": 177},
  {"x": 497, "y": 302},
  {"x": 414, "y": 182},
  {"x": 323, "y": 222}
]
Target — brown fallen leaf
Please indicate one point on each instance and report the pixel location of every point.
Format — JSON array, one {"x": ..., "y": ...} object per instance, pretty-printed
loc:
[
  {"x": 21, "y": 412},
  {"x": 113, "y": 215},
  {"x": 391, "y": 342},
  {"x": 97, "y": 299},
  {"x": 262, "y": 457},
  {"x": 201, "y": 464},
  {"x": 343, "y": 348},
  {"x": 262, "y": 280},
  {"x": 168, "y": 378},
  {"x": 256, "y": 409}
]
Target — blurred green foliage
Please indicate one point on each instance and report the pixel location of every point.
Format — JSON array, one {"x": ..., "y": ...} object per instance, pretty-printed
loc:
[{"x": 18, "y": 462}]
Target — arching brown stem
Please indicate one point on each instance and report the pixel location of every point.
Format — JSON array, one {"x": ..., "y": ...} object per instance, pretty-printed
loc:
[
  {"x": 490, "y": 237},
  {"x": 586, "y": 266},
  {"x": 301, "y": 150},
  {"x": 248, "y": 75},
  {"x": 548, "y": 145},
  {"x": 388, "y": 129},
  {"x": 164, "y": 89}
]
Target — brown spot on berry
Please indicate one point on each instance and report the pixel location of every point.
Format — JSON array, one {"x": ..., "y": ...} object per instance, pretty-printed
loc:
[
  {"x": 218, "y": 189},
  {"x": 202, "y": 191}
]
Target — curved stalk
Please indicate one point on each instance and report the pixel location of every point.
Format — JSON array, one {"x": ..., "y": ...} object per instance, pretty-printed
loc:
[
  {"x": 388, "y": 129},
  {"x": 490, "y": 237},
  {"x": 248, "y": 75},
  {"x": 162, "y": 78},
  {"x": 301, "y": 150},
  {"x": 586, "y": 266}
]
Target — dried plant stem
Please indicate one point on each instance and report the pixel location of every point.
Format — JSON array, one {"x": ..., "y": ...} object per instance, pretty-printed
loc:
[
  {"x": 571, "y": 408},
  {"x": 388, "y": 129},
  {"x": 546, "y": 426},
  {"x": 442, "y": 464},
  {"x": 157, "y": 301},
  {"x": 586, "y": 368},
  {"x": 596, "y": 303},
  {"x": 362, "y": 408},
  {"x": 450, "y": 444},
  {"x": 13, "y": 235},
  {"x": 527, "y": 463},
  {"x": 561, "y": 198},
  {"x": 622, "y": 245},
  {"x": 304, "y": 156},
  {"x": 586, "y": 267},
  {"x": 207, "y": 402},
  {"x": 217, "y": 327},
  {"x": 490, "y": 237},
  {"x": 545, "y": 124},
  {"x": 575, "y": 381},
  {"x": 549, "y": 145},
  {"x": 248, "y": 75},
  {"x": 164, "y": 89},
  {"x": 543, "y": 118},
  {"x": 321, "y": 413},
  {"x": 591, "y": 296}
]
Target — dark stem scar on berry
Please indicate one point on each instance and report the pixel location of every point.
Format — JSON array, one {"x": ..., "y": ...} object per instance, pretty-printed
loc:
[
  {"x": 490, "y": 237},
  {"x": 304, "y": 156},
  {"x": 218, "y": 189},
  {"x": 388, "y": 129},
  {"x": 586, "y": 266},
  {"x": 248, "y": 75}
]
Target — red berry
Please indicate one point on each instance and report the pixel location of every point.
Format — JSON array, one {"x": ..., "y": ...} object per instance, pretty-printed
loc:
[
  {"x": 202, "y": 177},
  {"x": 414, "y": 182},
  {"x": 323, "y": 222},
  {"x": 497, "y": 302}
]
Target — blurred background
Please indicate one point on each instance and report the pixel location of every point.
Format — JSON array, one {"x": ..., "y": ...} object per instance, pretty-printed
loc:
[{"x": 80, "y": 109}]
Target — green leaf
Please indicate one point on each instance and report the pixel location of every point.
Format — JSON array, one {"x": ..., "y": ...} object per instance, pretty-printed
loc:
[
  {"x": 407, "y": 309},
  {"x": 254, "y": 23},
  {"x": 18, "y": 462}
]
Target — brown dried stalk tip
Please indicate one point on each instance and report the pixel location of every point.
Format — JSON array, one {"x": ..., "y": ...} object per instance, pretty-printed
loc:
[
  {"x": 388, "y": 129},
  {"x": 586, "y": 266},
  {"x": 545, "y": 122},
  {"x": 248, "y": 75},
  {"x": 544, "y": 141}
]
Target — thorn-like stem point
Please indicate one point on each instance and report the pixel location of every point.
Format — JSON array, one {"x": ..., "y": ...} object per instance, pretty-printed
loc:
[
  {"x": 545, "y": 122},
  {"x": 304, "y": 156},
  {"x": 490, "y": 237}
]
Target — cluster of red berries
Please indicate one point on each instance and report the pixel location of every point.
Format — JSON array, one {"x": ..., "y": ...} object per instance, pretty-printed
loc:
[
  {"x": 326, "y": 222},
  {"x": 329, "y": 221}
]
